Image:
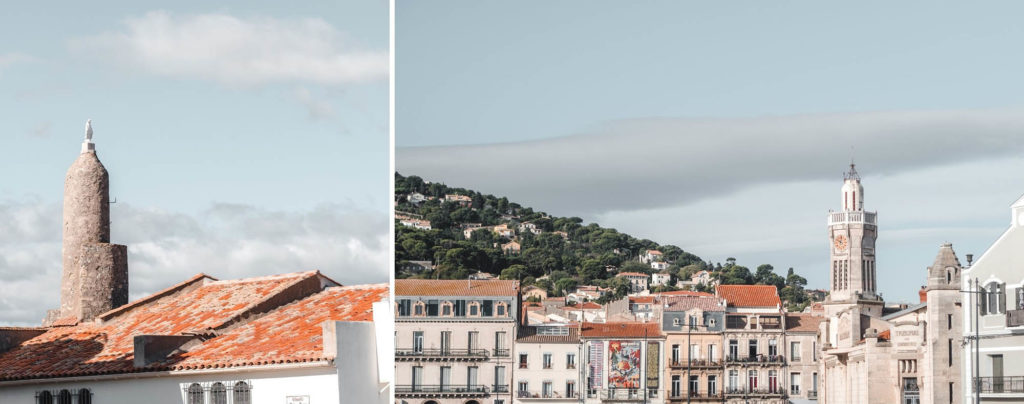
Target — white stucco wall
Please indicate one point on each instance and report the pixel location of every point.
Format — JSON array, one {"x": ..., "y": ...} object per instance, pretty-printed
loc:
[{"x": 269, "y": 386}]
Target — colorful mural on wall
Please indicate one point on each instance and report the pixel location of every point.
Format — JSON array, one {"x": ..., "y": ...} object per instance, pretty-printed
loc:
[{"x": 624, "y": 369}]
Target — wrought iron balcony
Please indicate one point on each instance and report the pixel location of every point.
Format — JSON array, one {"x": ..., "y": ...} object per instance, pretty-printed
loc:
[
  {"x": 812, "y": 394},
  {"x": 758, "y": 359},
  {"x": 441, "y": 354},
  {"x": 623, "y": 394},
  {"x": 1014, "y": 318},
  {"x": 755, "y": 392},
  {"x": 440, "y": 390},
  {"x": 1005, "y": 384},
  {"x": 502, "y": 352},
  {"x": 696, "y": 363},
  {"x": 524, "y": 394}
]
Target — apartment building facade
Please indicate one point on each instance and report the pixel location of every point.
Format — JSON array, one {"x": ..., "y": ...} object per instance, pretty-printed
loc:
[
  {"x": 454, "y": 341},
  {"x": 694, "y": 364},
  {"x": 622, "y": 363},
  {"x": 755, "y": 344},
  {"x": 802, "y": 377},
  {"x": 547, "y": 365}
]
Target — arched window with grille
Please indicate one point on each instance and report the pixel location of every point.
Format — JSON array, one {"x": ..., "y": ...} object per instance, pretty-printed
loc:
[
  {"x": 243, "y": 393},
  {"x": 45, "y": 398},
  {"x": 64, "y": 397},
  {"x": 84, "y": 396},
  {"x": 195, "y": 394},
  {"x": 218, "y": 394}
]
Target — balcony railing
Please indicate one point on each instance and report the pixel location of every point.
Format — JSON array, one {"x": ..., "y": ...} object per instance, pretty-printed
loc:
[
  {"x": 1014, "y": 318},
  {"x": 502, "y": 352},
  {"x": 622, "y": 394},
  {"x": 699, "y": 395},
  {"x": 499, "y": 388},
  {"x": 812, "y": 394},
  {"x": 1005, "y": 384},
  {"x": 550, "y": 394},
  {"x": 852, "y": 217},
  {"x": 763, "y": 359},
  {"x": 696, "y": 363},
  {"x": 405, "y": 390},
  {"x": 441, "y": 353},
  {"x": 747, "y": 392}
]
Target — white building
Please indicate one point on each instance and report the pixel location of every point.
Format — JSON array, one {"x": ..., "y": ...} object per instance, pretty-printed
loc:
[
  {"x": 997, "y": 365},
  {"x": 660, "y": 278},
  {"x": 547, "y": 365}
]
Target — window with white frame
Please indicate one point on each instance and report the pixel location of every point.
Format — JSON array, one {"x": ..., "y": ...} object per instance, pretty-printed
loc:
[{"x": 794, "y": 384}]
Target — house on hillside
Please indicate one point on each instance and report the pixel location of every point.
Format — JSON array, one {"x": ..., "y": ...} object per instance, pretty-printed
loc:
[{"x": 639, "y": 282}]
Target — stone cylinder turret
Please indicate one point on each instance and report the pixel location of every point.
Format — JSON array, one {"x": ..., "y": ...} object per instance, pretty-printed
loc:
[{"x": 95, "y": 276}]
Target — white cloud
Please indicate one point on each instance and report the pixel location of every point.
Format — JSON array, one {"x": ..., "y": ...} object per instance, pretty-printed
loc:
[
  {"x": 11, "y": 59},
  {"x": 237, "y": 51},
  {"x": 225, "y": 241},
  {"x": 658, "y": 162}
]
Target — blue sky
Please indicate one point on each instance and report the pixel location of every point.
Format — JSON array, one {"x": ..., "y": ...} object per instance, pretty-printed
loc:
[
  {"x": 242, "y": 139},
  {"x": 725, "y": 127}
]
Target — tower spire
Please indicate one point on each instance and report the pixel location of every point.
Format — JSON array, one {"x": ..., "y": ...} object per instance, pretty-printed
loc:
[{"x": 87, "y": 144}]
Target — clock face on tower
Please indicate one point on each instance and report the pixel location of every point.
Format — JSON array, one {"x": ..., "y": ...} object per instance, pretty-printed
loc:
[{"x": 841, "y": 242}]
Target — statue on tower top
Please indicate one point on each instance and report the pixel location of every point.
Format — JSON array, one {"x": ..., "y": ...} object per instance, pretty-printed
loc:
[{"x": 87, "y": 144}]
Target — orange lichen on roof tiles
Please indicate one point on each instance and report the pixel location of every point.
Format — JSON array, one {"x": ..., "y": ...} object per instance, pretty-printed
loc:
[
  {"x": 108, "y": 346},
  {"x": 292, "y": 333},
  {"x": 749, "y": 295},
  {"x": 621, "y": 330},
  {"x": 430, "y": 287}
]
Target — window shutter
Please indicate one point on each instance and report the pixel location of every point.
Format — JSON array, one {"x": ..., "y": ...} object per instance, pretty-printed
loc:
[
  {"x": 983, "y": 299},
  {"x": 1002, "y": 298}
]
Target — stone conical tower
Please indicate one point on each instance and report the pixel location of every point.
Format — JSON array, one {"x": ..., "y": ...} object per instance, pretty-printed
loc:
[{"x": 95, "y": 277}]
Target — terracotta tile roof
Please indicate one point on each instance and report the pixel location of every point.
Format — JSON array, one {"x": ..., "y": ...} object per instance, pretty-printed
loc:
[
  {"x": 706, "y": 303},
  {"x": 802, "y": 322},
  {"x": 430, "y": 287},
  {"x": 290, "y": 334},
  {"x": 749, "y": 295},
  {"x": 621, "y": 330},
  {"x": 641, "y": 299},
  {"x": 631, "y": 274},
  {"x": 684, "y": 293},
  {"x": 529, "y": 335},
  {"x": 583, "y": 306},
  {"x": 215, "y": 309}
]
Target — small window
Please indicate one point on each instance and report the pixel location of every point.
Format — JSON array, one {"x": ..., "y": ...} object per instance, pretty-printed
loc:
[
  {"x": 195, "y": 394},
  {"x": 218, "y": 394},
  {"x": 84, "y": 396},
  {"x": 64, "y": 397},
  {"x": 242, "y": 394},
  {"x": 675, "y": 321},
  {"x": 501, "y": 310},
  {"x": 45, "y": 398}
]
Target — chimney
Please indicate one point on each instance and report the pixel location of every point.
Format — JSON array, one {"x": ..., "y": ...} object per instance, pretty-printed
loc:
[{"x": 923, "y": 294}]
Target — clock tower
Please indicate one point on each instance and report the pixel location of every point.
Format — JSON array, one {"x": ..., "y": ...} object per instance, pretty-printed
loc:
[{"x": 852, "y": 232}]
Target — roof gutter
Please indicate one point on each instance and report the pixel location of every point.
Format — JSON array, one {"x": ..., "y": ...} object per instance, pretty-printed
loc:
[{"x": 162, "y": 373}]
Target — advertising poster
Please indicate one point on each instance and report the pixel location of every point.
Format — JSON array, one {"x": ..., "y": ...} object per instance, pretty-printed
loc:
[
  {"x": 624, "y": 359},
  {"x": 652, "y": 365},
  {"x": 596, "y": 364}
]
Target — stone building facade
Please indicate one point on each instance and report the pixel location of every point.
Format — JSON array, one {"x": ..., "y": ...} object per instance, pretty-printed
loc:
[
  {"x": 870, "y": 353},
  {"x": 454, "y": 341}
]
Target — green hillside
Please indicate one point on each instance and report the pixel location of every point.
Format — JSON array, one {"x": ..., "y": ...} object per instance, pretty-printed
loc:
[{"x": 557, "y": 254}]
